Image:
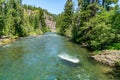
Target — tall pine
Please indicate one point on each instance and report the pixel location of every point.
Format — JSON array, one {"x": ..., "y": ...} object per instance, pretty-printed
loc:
[
  {"x": 67, "y": 17},
  {"x": 2, "y": 15}
]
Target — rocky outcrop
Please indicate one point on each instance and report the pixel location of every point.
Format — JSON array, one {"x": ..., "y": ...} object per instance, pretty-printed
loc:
[
  {"x": 108, "y": 57},
  {"x": 50, "y": 22},
  {"x": 49, "y": 19}
]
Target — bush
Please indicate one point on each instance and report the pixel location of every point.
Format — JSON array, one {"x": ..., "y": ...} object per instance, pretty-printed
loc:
[{"x": 114, "y": 46}]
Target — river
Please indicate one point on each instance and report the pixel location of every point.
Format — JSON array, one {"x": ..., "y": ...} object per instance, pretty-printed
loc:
[{"x": 36, "y": 58}]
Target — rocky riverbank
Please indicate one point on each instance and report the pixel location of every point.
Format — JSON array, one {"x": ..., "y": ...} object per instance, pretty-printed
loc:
[
  {"x": 5, "y": 40},
  {"x": 108, "y": 57}
]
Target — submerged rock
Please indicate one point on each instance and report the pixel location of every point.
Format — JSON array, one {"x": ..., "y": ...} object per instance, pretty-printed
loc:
[{"x": 108, "y": 57}]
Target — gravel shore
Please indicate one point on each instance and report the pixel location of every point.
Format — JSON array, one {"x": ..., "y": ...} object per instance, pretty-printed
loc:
[{"x": 108, "y": 57}]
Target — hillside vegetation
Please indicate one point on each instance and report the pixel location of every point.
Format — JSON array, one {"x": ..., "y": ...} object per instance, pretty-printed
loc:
[
  {"x": 21, "y": 20},
  {"x": 95, "y": 23}
]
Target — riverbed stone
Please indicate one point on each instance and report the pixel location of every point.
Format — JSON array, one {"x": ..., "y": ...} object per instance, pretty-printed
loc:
[{"x": 108, "y": 57}]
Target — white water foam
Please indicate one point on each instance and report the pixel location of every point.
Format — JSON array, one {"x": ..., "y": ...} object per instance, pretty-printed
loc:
[{"x": 69, "y": 58}]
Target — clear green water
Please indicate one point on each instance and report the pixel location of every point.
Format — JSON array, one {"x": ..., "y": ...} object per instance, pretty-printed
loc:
[{"x": 36, "y": 58}]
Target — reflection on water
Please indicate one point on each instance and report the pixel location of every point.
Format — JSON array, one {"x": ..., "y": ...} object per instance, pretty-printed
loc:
[{"x": 36, "y": 58}]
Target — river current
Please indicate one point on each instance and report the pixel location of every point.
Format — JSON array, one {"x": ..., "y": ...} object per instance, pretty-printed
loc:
[{"x": 36, "y": 58}]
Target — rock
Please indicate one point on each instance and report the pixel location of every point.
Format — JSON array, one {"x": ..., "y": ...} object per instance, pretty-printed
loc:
[
  {"x": 50, "y": 22},
  {"x": 108, "y": 57},
  {"x": 4, "y": 37}
]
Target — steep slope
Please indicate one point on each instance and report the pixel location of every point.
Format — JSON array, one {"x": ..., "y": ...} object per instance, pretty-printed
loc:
[{"x": 50, "y": 22}]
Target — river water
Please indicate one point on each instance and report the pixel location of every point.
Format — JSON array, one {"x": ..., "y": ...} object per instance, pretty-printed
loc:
[{"x": 36, "y": 58}]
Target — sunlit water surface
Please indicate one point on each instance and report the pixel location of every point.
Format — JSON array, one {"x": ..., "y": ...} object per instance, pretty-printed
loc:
[{"x": 36, "y": 58}]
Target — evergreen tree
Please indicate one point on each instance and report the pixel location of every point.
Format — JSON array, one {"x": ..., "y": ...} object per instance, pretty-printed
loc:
[
  {"x": 21, "y": 20},
  {"x": 2, "y": 23},
  {"x": 59, "y": 22},
  {"x": 93, "y": 24},
  {"x": 14, "y": 18},
  {"x": 67, "y": 17},
  {"x": 42, "y": 23}
]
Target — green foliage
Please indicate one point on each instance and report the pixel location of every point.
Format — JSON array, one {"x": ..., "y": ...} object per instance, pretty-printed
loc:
[
  {"x": 95, "y": 26},
  {"x": 42, "y": 21},
  {"x": 59, "y": 22},
  {"x": 116, "y": 27},
  {"x": 114, "y": 46},
  {"x": 66, "y": 18},
  {"x": 97, "y": 33},
  {"x": 1, "y": 24},
  {"x": 85, "y": 12},
  {"x": 20, "y": 20}
]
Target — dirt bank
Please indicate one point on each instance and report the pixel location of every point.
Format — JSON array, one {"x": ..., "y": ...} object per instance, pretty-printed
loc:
[{"x": 108, "y": 57}]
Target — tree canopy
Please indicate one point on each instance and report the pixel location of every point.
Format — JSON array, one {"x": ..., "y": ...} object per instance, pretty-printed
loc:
[
  {"x": 20, "y": 20},
  {"x": 94, "y": 24}
]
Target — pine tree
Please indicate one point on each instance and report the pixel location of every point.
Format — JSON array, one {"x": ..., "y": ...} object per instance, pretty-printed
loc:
[
  {"x": 67, "y": 17},
  {"x": 42, "y": 23},
  {"x": 93, "y": 25},
  {"x": 2, "y": 23}
]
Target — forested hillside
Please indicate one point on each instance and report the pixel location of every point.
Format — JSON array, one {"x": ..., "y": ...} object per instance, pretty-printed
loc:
[
  {"x": 20, "y": 20},
  {"x": 95, "y": 23}
]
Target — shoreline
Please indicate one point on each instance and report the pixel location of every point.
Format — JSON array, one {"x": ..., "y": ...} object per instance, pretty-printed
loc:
[
  {"x": 108, "y": 57},
  {"x": 6, "y": 40}
]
